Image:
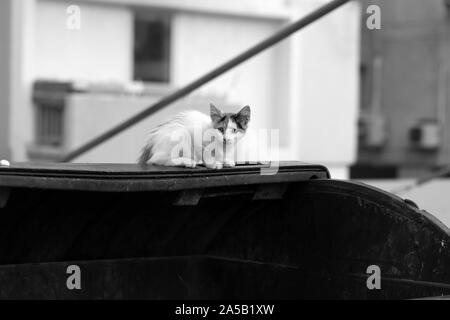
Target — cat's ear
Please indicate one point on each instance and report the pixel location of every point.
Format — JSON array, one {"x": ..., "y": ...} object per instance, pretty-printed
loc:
[
  {"x": 215, "y": 113},
  {"x": 243, "y": 117}
]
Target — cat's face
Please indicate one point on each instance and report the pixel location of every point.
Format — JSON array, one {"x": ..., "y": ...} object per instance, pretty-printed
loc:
[{"x": 231, "y": 126}]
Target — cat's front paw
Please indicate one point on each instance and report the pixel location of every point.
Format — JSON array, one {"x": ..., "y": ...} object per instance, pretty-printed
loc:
[
  {"x": 214, "y": 165},
  {"x": 229, "y": 164},
  {"x": 190, "y": 164}
]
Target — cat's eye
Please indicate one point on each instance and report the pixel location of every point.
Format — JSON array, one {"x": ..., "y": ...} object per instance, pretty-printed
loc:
[
  {"x": 234, "y": 130},
  {"x": 221, "y": 130}
]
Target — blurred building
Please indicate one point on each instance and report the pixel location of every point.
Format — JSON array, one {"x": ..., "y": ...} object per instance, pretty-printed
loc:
[
  {"x": 71, "y": 70},
  {"x": 405, "y": 107}
]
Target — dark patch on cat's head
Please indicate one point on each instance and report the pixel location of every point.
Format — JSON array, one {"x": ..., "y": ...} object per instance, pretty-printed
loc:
[
  {"x": 219, "y": 119},
  {"x": 216, "y": 114},
  {"x": 242, "y": 118}
]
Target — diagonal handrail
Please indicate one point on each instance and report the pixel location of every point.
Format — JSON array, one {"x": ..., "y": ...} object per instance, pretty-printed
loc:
[{"x": 249, "y": 53}]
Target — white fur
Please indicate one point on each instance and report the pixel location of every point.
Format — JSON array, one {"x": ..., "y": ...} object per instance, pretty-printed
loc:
[{"x": 190, "y": 134}]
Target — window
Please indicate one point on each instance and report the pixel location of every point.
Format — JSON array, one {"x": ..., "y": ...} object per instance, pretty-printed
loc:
[
  {"x": 152, "y": 47},
  {"x": 49, "y": 99}
]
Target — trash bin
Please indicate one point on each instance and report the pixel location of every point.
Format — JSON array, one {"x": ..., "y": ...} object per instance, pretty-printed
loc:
[{"x": 151, "y": 232}]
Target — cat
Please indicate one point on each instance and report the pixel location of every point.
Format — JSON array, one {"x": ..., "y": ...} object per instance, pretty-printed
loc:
[{"x": 192, "y": 138}]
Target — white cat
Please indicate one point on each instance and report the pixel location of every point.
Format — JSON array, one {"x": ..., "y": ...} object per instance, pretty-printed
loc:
[{"x": 191, "y": 138}]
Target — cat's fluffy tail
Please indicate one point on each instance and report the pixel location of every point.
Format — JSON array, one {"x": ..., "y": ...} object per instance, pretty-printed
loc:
[{"x": 146, "y": 154}]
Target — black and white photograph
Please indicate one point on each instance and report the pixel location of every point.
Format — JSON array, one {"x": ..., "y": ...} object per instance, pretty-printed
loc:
[{"x": 223, "y": 158}]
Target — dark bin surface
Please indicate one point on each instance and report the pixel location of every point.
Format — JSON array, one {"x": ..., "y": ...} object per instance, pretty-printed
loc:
[{"x": 172, "y": 233}]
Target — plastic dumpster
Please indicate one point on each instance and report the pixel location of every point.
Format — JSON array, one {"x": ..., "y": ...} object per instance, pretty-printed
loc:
[{"x": 172, "y": 233}]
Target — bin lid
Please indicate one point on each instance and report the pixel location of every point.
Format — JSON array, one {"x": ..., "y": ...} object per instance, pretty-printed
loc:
[{"x": 109, "y": 177}]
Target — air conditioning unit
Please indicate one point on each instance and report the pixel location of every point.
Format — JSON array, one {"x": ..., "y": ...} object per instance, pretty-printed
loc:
[
  {"x": 425, "y": 135},
  {"x": 372, "y": 131}
]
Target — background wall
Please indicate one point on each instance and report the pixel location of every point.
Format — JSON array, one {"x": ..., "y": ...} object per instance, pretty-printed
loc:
[
  {"x": 5, "y": 56},
  {"x": 198, "y": 49},
  {"x": 328, "y": 87},
  {"x": 100, "y": 51},
  {"x": 21, "y": 66},
  {"x": 413, "y": 44}
]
